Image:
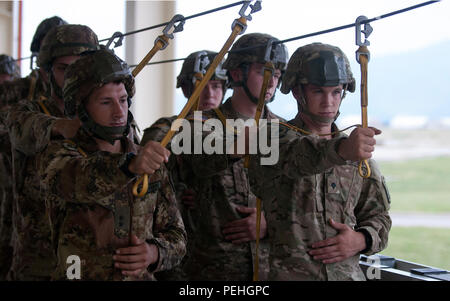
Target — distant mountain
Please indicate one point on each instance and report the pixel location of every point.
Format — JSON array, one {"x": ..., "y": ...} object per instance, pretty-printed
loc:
[{"x": 415, "y": 83}]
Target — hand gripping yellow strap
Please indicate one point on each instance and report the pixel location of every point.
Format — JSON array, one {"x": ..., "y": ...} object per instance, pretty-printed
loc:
[
  {"x": 363, "y": 167},
  {"x": 211, "y": 69}
]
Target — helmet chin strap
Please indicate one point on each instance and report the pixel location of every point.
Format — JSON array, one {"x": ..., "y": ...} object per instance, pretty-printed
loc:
[
  {"x": 244, "y": 85},
  {"x": 107, "y": 133},
  {"x": 57, "y": 90}
]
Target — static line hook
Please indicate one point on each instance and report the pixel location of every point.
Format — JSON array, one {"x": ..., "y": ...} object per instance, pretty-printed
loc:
[
  {"x": 176, "y": 28},
  {"x": 115, "y": 35},
  {"x": 366, "y": 31}
]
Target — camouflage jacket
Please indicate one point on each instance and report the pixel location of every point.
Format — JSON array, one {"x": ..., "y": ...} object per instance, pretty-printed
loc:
[
  {"x": 30, "y": 133},
  {"x": 298, "y": 208},
  {"x": 11, "y": 93},
  {"x": 180, "y": 177},
  {"x": 220, "y": 188},
  {"x": 16, "y": 90},
  {"x": 93, "y": 211}
]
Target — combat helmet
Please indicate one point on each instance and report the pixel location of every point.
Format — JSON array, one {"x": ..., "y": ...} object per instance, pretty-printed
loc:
[
  {"x": 9, "y": 66},
  {"x": 251, "y": 48},
  {"x": 191, "y": 66},
  {"x": 321, "y": 65},
  {"x": 64, "y": 40},
  {"x": 93, "y": 70},
  {"x": 42, "y": 29}
]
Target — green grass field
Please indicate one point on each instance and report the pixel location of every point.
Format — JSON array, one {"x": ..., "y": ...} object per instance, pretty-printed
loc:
[
  {"x": 419, "y": 185},
  {"x": 427, "y": 246}
]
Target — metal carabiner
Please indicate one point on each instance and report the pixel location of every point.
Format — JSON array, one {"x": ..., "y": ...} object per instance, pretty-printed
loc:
[
  {"x": 115, "y": 35},
  {"x": 254, "y": 8},
  {"x": 176, "y": 28},
  {"x": 366, "y": 31},
  {"x": 269, "y": 56},
  {"x": 200, "y": 63}
]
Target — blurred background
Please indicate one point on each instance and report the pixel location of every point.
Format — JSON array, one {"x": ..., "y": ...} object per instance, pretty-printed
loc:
[{"x": 409, "y": 94}]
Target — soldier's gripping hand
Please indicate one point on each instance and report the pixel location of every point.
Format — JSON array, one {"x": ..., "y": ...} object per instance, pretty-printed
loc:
[
  {"x": 149, "y": 158},
  {"x": 66, "y": 128},
  {"x": 359, "y": 145}
]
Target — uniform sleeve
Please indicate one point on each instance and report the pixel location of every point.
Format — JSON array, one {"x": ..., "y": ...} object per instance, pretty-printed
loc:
[
  {"x": 78, "y": 179},
  {"x": 169, "y": 232},
  {"x": 157, "y": 130},
  {"x": 298, "y": 155},
  {"x": 29, "y": 129},
  {"x": 372, "y": 210},
  {"x": 12, "y": 92}
]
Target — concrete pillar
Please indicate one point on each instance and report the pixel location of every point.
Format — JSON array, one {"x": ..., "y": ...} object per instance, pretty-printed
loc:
[
  {"x": 6, "y": 28},
  {"x": 155, "y": 84}
]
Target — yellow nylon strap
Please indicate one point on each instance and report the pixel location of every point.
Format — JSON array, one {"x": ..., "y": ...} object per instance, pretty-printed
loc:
[
  {"x": 363, "y": 61},
  {"x": 158, "y": 45},
  {"x": 211, "y": 69},
  {"x": 293, "y": 127},
  {"x": 44, "y": 108},
  {"x": 268, "y": 72}
]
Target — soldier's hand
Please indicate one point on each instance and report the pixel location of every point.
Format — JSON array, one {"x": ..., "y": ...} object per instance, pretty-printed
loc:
[
  {"x": 135, "y": 258},
  {"x": 66, "y": 128},
  {"x": 344, "y": 245},
  {"x": 149, "y": 158},
  {"x": 244, "y": 229},
  {"x": 359, "y": 145}
]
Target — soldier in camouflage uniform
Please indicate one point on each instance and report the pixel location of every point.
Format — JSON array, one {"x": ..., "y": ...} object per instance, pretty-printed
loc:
[
  {"x": 223, "y": 246},
  {"x": 32, "y": 87},
  {"x": 89, "y": 181},
  {"x": 318, "y": 225},
  {"x": 8, "y": 71},
  {"x": 31, "y": 125},
  {"x": 35, "y": 85},
  {"x": 210, "y": 98}
]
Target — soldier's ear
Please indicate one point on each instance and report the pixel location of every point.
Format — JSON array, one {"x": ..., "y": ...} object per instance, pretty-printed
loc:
[
  {"x": 296, "y": 92},
  {"x": 236, "y": 75}
]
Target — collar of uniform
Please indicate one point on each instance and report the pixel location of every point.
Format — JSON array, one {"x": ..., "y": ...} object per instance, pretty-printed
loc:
[{"x": 298, "y": 122}]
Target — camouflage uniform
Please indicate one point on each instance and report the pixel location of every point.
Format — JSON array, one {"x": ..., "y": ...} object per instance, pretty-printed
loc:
[
  {"x": 89, "y": 192},
  {"x": 30, "y": 132},
  {"x": 298, "y": 208},
  {"x": 220, "y": 187},
  {"x": 299, "y": 205},
  {"x": 31, "y": 87},
  {"x": 179, "y": 174},
  {"x": 91, "y": 208}
]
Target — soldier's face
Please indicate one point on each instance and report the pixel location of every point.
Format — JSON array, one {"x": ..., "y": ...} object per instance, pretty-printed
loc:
[
  {"x": 256, "y": 78},
  {"x": 59, "y": 66},
  {"x": 211, "y": 95},
  {"x": 108, "y": 105},
  {"x": 323, "y": 101}
]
